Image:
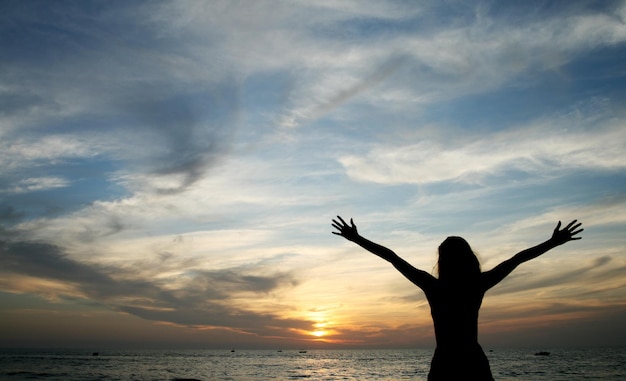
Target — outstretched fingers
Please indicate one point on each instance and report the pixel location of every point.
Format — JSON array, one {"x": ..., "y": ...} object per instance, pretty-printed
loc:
[
  {"x": 336, "y": 226},
  {"x": 573, "y": 229},
  {"x": 339, "y": 225},
  {"x": 349, "y": 232},
  {"x": 568, "y": 233}
]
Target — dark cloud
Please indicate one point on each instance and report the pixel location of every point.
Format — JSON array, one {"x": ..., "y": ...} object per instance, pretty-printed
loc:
[
  {"x": 191, "y": 130},
  {"x": 112, "y": 225},
  {"x": 8, "y": 214},
  {"x": 48, "y": 261},
  {"x": 578, "y": 325},
  {"x": 235, "y": 281},
  {"x": 17, "y": 104},
  {"x": 520, "y": 281},
  {"x": 214, "y": 315},
  {"x": 202, "y": 301}
]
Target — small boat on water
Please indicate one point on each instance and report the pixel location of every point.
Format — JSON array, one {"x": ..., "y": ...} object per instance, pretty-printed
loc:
[{"x": 542, "y": 353}]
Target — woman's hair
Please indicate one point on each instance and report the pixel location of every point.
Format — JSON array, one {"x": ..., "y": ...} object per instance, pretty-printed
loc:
[{"x": 457, "y": 261}]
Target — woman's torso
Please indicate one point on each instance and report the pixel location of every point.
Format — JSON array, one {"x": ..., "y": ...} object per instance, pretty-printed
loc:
[{"x": 454, "y": 309}]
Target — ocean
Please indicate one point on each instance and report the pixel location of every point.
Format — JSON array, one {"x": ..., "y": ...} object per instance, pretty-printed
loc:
[{"x": 330, "y": 365}]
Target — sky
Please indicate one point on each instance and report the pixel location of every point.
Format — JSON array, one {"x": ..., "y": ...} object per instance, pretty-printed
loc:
[{"x": 169, "y": 169}]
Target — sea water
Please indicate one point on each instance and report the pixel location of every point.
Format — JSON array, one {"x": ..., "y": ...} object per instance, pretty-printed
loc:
[{"x": 243, "y": 365}]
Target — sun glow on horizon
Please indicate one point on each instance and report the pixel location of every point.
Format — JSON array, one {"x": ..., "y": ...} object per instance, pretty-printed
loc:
[{"x": 322, "y": 323}]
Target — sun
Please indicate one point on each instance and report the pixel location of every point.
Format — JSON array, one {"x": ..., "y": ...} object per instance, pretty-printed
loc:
[{"x": 321, "y": 324}]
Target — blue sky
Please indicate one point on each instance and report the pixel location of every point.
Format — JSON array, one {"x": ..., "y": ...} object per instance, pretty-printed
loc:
[{"x": 169, "y": 170}]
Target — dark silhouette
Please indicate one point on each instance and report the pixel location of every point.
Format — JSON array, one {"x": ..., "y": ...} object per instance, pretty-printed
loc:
[{"x": 456, "y": 295}]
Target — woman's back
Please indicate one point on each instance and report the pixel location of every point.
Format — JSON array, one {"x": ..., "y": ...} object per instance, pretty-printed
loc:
[{"x": 454, "y": 309}]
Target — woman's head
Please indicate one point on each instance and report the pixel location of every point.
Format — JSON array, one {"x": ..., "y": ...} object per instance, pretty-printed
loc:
[{"x": 457, "y": 261}]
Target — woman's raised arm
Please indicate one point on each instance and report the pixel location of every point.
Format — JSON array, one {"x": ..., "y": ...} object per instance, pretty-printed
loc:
[
  {"x": 419, "y": 277},
  {"x": 559, "y": 237}
]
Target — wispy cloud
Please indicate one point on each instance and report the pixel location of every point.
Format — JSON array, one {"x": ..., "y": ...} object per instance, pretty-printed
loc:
[
  {"x": 544, "y": 148},
  {"x": 38, "y": 183}
]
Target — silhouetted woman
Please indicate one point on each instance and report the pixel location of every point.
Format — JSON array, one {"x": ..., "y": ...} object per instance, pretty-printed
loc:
[{"x": 456, "y": 295}]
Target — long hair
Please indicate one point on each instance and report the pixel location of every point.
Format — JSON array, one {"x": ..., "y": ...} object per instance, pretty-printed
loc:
[{"x": 457, "y": 262}]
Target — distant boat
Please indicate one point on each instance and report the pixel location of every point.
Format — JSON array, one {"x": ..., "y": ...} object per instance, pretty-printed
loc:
[
  {"x": 302, "y": 352},
  {"x": 542, "y": 353},
  {"x": 95, "y": 354},
  {"x": 232, "y": 350}
]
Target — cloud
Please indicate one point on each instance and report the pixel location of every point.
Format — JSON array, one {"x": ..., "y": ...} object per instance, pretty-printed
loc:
[
  {"x": 535, "y": 149},
  {"x": 33, "y": 184},
  {"x": 596, "y": 269},
  {"x": 8, "y": 214},
  {"x": 35, "y": 151},
  {"x": 216, "y": 316},
  {"x": 233, "y": 280},
  {"x": 48, "y": 261},
  {"x": 191, "y": 132},
  {"x": 193, "y": 298}
]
